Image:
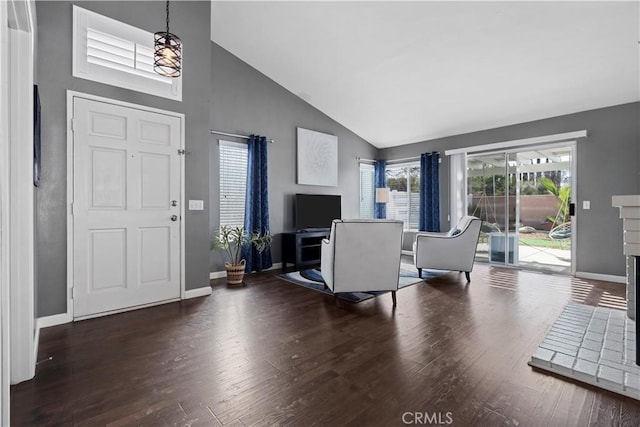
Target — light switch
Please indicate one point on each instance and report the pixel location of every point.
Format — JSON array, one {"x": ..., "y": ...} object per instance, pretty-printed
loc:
[
  {"x": 196, "y": 205},
  {"x": 586, "y": 204}
]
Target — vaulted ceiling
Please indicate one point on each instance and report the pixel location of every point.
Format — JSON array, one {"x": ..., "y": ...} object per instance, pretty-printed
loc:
[{"x": 402, "y": 72}]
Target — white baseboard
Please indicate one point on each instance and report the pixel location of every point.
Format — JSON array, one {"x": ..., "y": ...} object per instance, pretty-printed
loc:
[
  {"x": 56, "y": 319},
  {"x": 220, "y": 274},
  {"x": 60, "y": 319},
  {"x": 217, "y": 274},
  {"x": 603, "y": 277},
  {"x": 196, "y": 293}
]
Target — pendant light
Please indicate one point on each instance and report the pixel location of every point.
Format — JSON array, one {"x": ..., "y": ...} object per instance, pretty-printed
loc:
[{"x": 167, "y": 56}]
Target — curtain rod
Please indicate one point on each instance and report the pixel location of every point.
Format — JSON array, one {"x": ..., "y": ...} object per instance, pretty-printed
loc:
[
  {"x": 406, "y": 159},
  {"x": 410, "y": 159},
  {"x": 360, "y": 159},
  {"x": 217, "y": 132}
]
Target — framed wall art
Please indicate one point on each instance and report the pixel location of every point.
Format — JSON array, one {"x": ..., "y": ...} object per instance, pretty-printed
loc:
[{"x": 317, "y": 158}]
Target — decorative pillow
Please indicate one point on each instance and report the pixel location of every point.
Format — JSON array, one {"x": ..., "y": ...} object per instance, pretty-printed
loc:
[{"x": 453, "y": 232}]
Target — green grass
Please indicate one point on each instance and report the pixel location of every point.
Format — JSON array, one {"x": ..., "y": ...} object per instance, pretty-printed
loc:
[{"x": 546, "y": 243}]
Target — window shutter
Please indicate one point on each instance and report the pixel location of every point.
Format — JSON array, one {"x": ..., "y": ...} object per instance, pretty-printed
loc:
[
  {"x": 233, "y": 183},
  {"x": 110, "y": 51},
  {"x": 367, "y": 191}
]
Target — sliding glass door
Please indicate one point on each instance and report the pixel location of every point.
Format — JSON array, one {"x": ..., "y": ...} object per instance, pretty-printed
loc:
[
  {"x": 489, "y": 197},
  {"x": 523, "y": 198}
]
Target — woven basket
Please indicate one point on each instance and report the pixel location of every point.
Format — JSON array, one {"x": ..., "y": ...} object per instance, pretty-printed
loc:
[{"x": 235, "y": 272}]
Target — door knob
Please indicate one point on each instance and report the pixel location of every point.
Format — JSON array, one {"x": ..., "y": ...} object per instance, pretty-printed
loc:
[{"x": 174, "y": 217}]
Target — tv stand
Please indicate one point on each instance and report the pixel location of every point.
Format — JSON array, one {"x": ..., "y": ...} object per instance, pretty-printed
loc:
[
  {"x": 302, "y": 248},
  {"x": 313, "y": 230}
]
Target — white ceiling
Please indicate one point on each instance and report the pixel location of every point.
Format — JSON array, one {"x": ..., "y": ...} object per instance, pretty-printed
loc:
[{"x": 402, "y": 72}]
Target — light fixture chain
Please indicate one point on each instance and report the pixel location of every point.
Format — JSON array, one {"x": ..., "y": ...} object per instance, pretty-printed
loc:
[{"x": 167, "y": 16}]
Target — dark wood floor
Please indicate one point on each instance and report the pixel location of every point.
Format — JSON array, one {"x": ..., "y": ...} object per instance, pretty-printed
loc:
[{"x": 273, "y": 353}]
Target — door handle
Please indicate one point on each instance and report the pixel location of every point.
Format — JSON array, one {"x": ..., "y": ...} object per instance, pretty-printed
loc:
[
  {"x": 174, "y": 217},
  {"x": 572, "y": 209}
]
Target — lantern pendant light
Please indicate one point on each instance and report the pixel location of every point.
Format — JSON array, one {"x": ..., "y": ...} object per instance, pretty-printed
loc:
[{"x": 167, "y": 56}]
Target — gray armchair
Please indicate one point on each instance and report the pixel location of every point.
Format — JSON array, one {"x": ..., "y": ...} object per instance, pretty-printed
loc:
[
  {"x": 362, "y": 255},
  {"x": 455, "y": 250}
]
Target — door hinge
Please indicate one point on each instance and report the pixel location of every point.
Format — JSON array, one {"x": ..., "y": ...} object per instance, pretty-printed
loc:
[
  {"x": 73, "y": 124},
  {"x": 73, "y": 293},
  {"x": 73, "y": 209}
]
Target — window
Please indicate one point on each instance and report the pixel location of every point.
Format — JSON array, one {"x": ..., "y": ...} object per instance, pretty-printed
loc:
[
  {"x": 367, "y": 190},
  {"x": 233, "y": 182},
  {"x": 114, "y": 53},
  {"x": 403, "y": 182}
]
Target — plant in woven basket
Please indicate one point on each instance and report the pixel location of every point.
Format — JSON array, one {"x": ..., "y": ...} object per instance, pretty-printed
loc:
[{"x": 232, "y": 240}]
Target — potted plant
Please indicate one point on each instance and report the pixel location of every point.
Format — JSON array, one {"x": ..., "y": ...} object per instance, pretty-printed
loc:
[{"x": 232, "y": 240}]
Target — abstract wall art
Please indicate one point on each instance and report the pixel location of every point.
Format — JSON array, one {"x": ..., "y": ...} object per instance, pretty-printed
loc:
[{"x": 317, "y": 158}]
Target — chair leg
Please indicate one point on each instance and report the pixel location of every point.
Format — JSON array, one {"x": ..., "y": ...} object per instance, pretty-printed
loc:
[
  {"x": 468, "y": 276},
  {"x": 393, "y": 296},
  {"x": 419, "y": 272}
]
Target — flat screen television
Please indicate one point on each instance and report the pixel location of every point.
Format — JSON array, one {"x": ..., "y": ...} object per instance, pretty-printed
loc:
[{"x": 316, "y": 211}]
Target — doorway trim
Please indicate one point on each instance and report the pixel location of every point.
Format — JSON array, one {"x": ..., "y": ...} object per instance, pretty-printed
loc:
[
  {"x": 71, "y": 95},
  {"x": 507, "y": 145},
  {"x": 458, "y": 177},
  {"x": 573, "y": 146},
  {"x": 19, "y": 27}
]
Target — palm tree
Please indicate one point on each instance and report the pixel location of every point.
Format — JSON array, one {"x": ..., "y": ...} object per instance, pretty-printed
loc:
[{"x": 563, "y": 194}]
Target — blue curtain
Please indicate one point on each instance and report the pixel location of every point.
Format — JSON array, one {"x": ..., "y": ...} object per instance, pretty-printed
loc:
[
  {"x": 380, "y": 167},
  {"x": 429, "y": 192},
  {"x": 256, "y": 210}
]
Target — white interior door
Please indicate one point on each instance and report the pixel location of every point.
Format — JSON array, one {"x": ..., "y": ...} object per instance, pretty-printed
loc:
[{"x": 126, "y": 207}]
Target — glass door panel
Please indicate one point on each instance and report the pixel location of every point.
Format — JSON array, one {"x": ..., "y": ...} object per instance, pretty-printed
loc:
[
  {"x": 544, "y": 223},
  {"x": 486, "y": 189}
]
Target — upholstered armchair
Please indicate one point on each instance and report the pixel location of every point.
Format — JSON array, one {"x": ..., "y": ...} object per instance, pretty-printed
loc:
[
  {"x": 455, "y": 250},
  {"x": 362, "y": 256}
]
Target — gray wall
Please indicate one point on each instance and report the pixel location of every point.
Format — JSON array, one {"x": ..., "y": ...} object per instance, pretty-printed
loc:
[
  {"x": 244, "y": 101},
  {"x": 608, "y": 163},
  {"x": 190, "y": 21}
]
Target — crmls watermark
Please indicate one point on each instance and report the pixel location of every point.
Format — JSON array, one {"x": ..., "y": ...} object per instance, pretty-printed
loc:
[{"x": 428, "y": 418}]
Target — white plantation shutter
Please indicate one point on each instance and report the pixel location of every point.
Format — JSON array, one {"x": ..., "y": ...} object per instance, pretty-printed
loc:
[
  {"x": 111, "y": 52},
  {"x": 233, "y": 182},
  {"x": 367, "y": 191}
]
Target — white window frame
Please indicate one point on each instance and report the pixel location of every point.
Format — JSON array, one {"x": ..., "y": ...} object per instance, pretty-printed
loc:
[
  {"x": 236, "y": 145},
  {"x": 125, "y": 60},
  {"x": 406, "y": 166}
]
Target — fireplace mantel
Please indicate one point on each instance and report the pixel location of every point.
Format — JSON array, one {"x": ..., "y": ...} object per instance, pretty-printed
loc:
[{"x": 630, "y": 214}]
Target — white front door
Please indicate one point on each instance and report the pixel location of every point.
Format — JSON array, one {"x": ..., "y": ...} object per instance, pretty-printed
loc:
[{"x": 126, "y": 207}]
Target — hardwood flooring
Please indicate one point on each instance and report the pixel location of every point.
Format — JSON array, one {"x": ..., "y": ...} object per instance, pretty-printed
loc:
[{"x": 273, "y": 353}]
